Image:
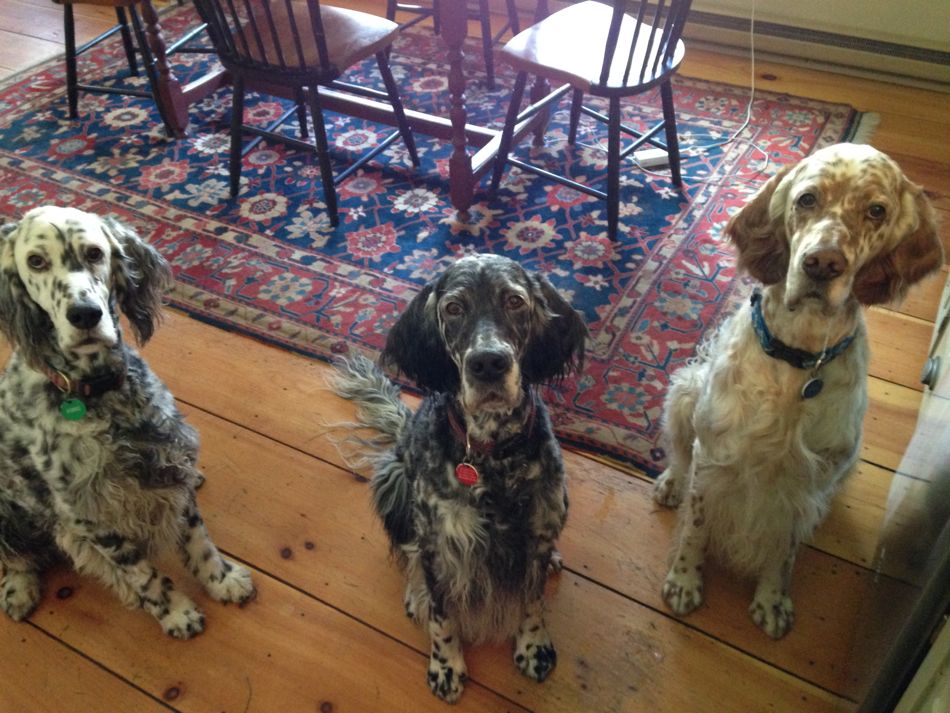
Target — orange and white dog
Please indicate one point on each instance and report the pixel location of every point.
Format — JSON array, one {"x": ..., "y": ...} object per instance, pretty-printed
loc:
[{"x": 766, "y": 422}]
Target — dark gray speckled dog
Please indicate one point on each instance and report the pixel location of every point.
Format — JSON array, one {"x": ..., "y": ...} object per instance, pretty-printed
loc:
[
  {"x": 471, "y": 489},
  {"x": 95, "y": 460}
]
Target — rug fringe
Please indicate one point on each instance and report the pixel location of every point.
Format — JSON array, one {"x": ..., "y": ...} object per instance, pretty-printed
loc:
[
  {"x": 608, "y": 461},
  {"x": 864, "y": 127}
]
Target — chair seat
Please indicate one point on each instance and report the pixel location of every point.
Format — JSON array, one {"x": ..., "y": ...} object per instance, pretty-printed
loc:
[
  {"x": 351, "y": 36},
  {"x": 568, "y": 46}
]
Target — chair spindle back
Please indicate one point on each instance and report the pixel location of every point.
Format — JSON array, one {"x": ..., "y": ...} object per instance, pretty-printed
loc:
[
  {"x": 254, "y": 34},
  {"x": 658, "y": 28}
]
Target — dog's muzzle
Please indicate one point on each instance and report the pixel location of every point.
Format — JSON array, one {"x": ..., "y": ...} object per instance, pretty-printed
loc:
[
  {"x": 488, "y": 366},
  {"x": 824, "y": 264},
  {"x": 820, "y": 272},
  {"x": 84, "y": 315},
  {"x": 491, "y": 380}
]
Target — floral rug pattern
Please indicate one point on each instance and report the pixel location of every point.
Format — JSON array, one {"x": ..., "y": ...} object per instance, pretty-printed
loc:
[{"x": 269, "y": 265}]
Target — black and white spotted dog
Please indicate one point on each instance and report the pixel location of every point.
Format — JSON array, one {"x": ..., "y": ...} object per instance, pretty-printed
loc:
[
  {"x": 95, "y": 460},
  {"x": 472, "y": 490}
]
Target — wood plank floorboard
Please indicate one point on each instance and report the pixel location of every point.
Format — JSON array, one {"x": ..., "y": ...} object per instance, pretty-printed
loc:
[
  {"x": 40, "y": 673},
  {"x": 327, "y": 631}
]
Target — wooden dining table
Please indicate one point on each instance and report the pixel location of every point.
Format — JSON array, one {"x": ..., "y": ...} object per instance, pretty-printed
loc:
[{"x": 473, "y": 147}]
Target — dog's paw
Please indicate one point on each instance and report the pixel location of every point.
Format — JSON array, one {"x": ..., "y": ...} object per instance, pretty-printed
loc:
[
  {"x": 535, "y": 655},
  {"x": 20, "y": 594},
  {"x": 666, "y": 490},
  {"x": 235, "y": 586},
  {"x": 183, "y": 619},
  {"x": 683, "y": 591},
  {"x": 774, "y": 615},
  {"x": 557, "y": 562},
  {"x": 446, "y": 677}
]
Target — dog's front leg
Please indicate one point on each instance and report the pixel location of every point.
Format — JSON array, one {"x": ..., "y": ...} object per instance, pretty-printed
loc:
[
  {"x": 680, "y": 406},
  {"x": 772, "y": 609},
  {"x": 119, "y": 563},
  {"x": 683, "y": 588},
  {"x": 535, "y": 655},
  {"x": 225, "y": 581},
  {"x": 447, "y": 672}
]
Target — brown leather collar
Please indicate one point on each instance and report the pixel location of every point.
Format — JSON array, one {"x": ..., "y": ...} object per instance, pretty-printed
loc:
[{"x": 93, "y": 386}]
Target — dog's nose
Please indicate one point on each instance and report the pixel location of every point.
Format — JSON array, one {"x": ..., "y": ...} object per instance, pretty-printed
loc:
[
  {"x": 825, "y": 264},
  {"x": 84, "y": 316},
  {"x": 488, "y": 364}
]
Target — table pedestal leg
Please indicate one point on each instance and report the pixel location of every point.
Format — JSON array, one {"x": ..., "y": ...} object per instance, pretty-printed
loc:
[
  {"x": 170, "y": 99},
  {"x": 454, "y": 23}
]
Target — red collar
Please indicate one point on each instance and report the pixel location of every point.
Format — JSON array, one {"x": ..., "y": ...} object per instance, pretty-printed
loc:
[{"x": 491, "y": 448}]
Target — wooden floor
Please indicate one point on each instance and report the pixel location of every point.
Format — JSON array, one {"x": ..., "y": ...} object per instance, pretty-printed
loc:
[{"x": 327, "y": 632}]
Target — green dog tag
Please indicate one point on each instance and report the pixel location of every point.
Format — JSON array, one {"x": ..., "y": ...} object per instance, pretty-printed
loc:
[{"x": 72, "y": 409}]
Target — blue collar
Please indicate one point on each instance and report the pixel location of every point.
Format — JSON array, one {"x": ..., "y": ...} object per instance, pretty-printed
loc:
[{"x": 776, "y": 348}]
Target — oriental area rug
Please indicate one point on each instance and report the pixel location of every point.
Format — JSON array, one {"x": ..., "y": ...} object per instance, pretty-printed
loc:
[{"x": 269, "y": 265}]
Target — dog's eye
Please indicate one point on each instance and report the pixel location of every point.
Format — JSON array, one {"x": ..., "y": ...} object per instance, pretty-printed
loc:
[
  {"x": 807, "y": 200},
  {"x": 94, "y": 254},
  {"x": 877, "y": 212},
  {"x": 37, "y": 262},
  {"x": 454, "y": 309},
  {"x": 514, "y": 302}
]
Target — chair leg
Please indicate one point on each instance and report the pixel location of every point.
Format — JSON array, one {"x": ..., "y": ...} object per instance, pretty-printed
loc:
[
  {"x": 127, "y": 41},
  {"x": 391, "y": 10},
  {"x": 577, "y": 101},
  {"x": 488, "y": 51},
  {"x": 323, "y": 155},
  {"x": 301, "y": 112},
  {"x": 672, "y": 140},
  {"x": 72, "y": 81},
  {"x": 540, "y": 88},
  {"x": 513, "y": 20},
  {"x": 436, "y": 18},
  {"x": 613, "y": 168},
  {"x": 393, "y": 91},
  {"x": 504, "y": 147},
  {"x": 237, "y": 121}
]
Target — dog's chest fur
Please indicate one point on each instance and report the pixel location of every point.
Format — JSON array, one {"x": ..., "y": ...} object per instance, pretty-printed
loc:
[
  {"x": 128, "y": 465},
  {"x": 489, "y": 537},
  {"x": 752, "y": 409}
]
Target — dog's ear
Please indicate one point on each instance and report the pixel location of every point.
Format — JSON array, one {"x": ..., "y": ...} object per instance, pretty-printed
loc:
[
  {"x": 26, "y": 326},
  {"x": 140, "y": 277},
  {"x": 758, "y": 232},
  {"x": 887, "y": 277},
  {"x": 415, "y": 346},
  {"x": 559, "y": 335}
]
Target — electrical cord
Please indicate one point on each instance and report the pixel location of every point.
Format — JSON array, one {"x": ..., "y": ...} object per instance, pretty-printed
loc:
[
  {"x": 748, "y": 117},
  {"x": 692, "y": 150}
]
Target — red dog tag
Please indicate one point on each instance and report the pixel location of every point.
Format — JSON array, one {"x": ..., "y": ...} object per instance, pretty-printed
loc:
[{"x": 466, "y": 474}]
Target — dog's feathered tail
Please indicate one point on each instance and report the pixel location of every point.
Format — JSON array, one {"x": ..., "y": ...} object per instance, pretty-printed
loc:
[{"x": 380, "y": 408}]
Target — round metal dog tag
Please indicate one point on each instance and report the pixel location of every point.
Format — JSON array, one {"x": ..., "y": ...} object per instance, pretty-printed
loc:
[
  {"x": 466, "y": 474},
  {"x": 72, "y": 409},
  {"x": 812, "y": 388}
]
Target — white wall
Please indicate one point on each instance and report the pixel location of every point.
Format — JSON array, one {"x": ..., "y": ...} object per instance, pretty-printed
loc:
[{"x": 918, "y": 23}]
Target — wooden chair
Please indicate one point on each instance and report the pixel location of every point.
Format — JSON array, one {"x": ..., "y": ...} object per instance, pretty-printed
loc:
[
  {"x": 73, "y": 85},
  {"x": 599, "y": 49},
  {"x": 288, "y": 48},
  {"x": 129, "y": 24},
  {"x": 477, "y": 10}
]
